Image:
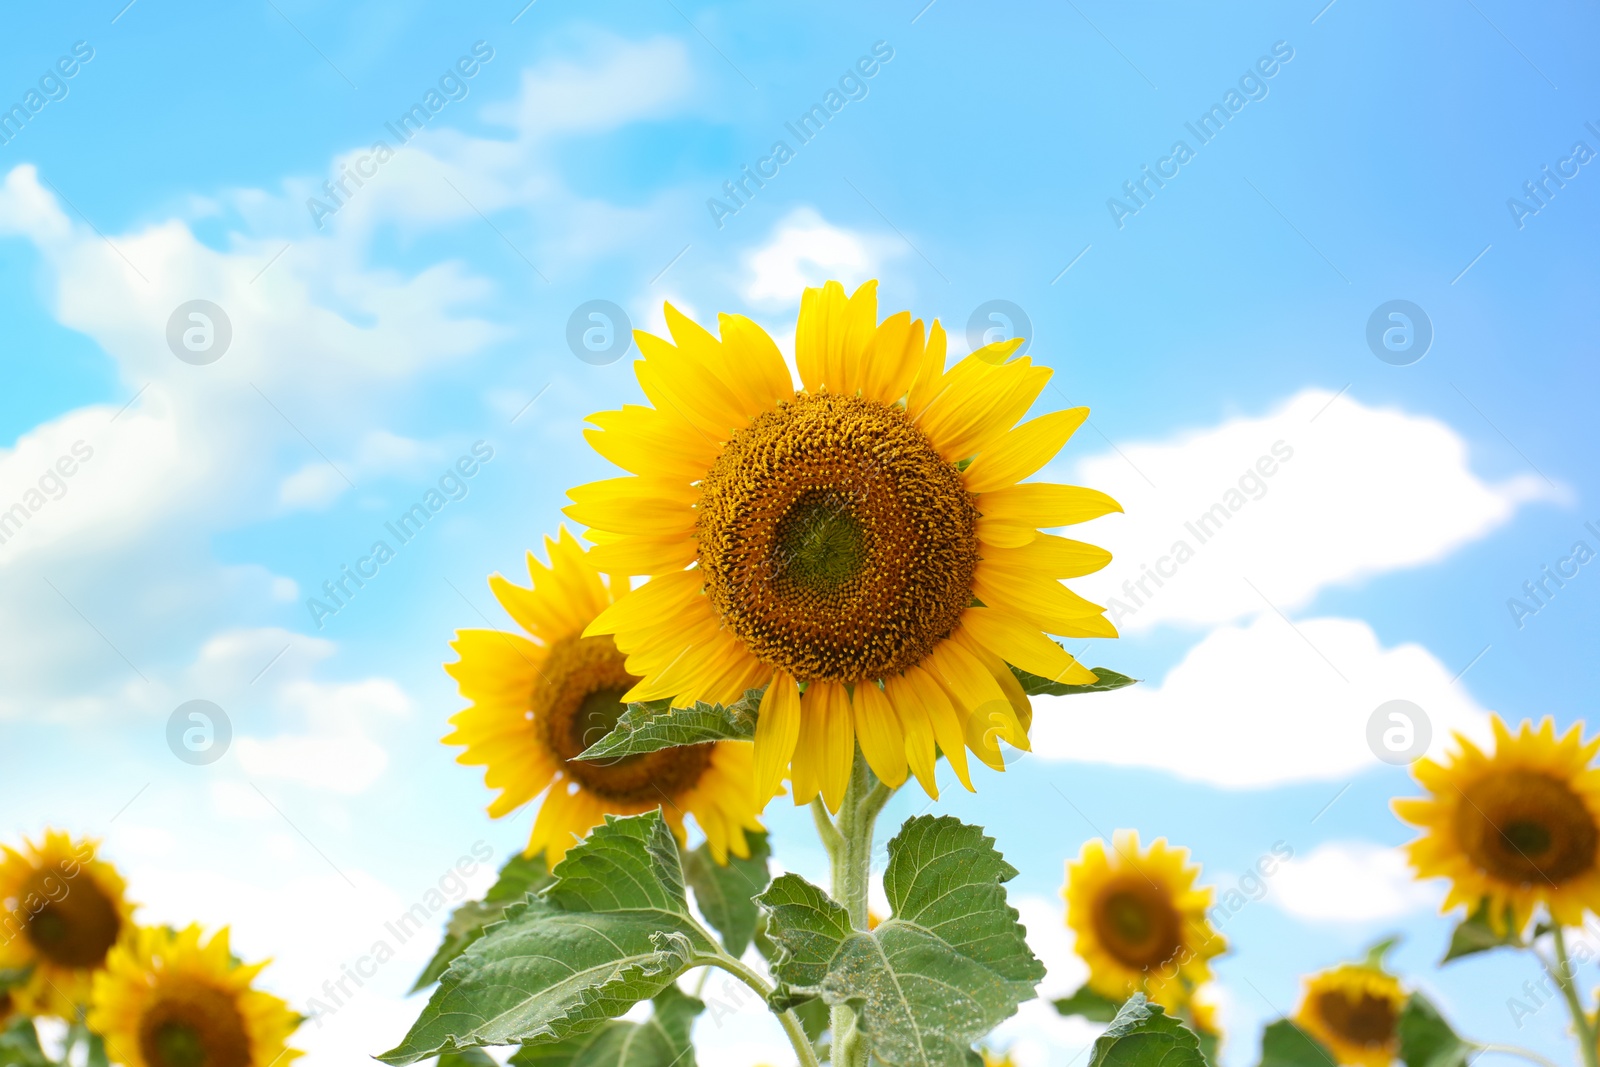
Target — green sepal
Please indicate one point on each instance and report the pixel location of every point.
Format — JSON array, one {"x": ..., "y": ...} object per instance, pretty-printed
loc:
[
  {"x": 656, "y": 724},
  {"x": 1106, "y": 680},
  {"x": 1476, "y": 934}
]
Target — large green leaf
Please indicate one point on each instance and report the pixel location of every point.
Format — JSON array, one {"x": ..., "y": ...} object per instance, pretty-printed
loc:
[
  {"x": 1106, "y": 680},
  {"x": 613, "y": 928},
  {"x": 19, "y": 1045},
  {"x": 660, "y": 1041},
  {"x": 1426, "y": 1040},
  {"x": 948, "y": 966},
  {"x": 1476, "y": 934},
  {"x": 1283, "y": 1044},
  {"x": 519, "y": 877},
  {"x": 1095, "y": 1007},
  {"x": 656, "y": 724},
  {"x": 1143, "y": 1035},
  {"x": 726, "y": 892}
]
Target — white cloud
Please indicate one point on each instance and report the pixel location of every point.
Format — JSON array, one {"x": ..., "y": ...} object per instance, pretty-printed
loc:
[
  {"x": 620, "y": 82},
  {"x": 805, "y": 250},
  {"x": 1261, "y": 704},
  {"x": 1352, "y": 491},
  {"x": 1350, "y": 881}
]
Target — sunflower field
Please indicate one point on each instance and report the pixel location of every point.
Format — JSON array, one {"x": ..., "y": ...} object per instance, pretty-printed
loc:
[{"x": 816, "y": 589}]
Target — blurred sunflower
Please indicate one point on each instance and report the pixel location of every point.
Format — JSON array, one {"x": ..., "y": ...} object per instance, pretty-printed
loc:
[
  {"x": 63, "y": 911},
  {"x": 1140, "y": 921},
  {"x": 861, "y": 547},
  {"x": 1354, "y": 1010},
  {"x": 1518, "y": 827},
  {"x": 540, "y": 700},
  {"x": 167, "y": 1000}
]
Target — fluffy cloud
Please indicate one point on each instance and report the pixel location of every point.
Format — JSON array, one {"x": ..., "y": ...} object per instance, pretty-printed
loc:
[
  {"x": 803, "y": 250},
  {"x": 1261, "y": 704},
  {"x": 1350, "y": 881},
  {"x": 1317, "y": 492}
]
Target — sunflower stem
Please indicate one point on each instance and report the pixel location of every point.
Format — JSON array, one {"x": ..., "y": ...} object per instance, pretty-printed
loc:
[
  {"x": 790, "y": 1021},
  {"x": 851, "y": 855},
  {"x": 826, "y": 830},
  {"x": 1562, "y": 973},
  {"x": 1515, "y": 1050}
]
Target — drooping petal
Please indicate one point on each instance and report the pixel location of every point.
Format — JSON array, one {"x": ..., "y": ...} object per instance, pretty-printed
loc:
[
  {"x": 777, "y": 732},
  {"x": 879, "y": 734},
  {"x": 1016, "y": 642},
  {"x": 838, "y": 742}
]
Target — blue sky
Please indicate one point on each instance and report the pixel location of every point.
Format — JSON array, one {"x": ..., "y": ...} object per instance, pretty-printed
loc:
[{"x": 430, "y": 312}]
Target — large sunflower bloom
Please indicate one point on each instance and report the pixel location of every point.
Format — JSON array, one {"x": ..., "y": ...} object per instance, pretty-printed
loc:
[
  {"x": 540, "y": 700},
  {"x": 861, "y": 547},
  {"x": 1140, "y": 921},
  {"x": 1517, "y": 827},
  {"x": 1354, "y": 1010},
  {"x": 166, "y": 1000},
  {"x": 63, "y": 911}
]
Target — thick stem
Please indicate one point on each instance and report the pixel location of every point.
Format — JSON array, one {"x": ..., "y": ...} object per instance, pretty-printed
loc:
[
  {"x": 1581, "y": 1022},
  {"x": 864, "y": 799},
  {"x": 825, "y": 829},
  {"x": 791, "y": 1023}
]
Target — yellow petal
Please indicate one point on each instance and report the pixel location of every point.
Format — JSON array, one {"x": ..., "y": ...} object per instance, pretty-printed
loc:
[
  {"x": 1022, "y": 451},
  {"x": 643, "y": 555},
  {"x": 838, "y": 741},
  {"x": 755, "y": 367},
  {"x": 1045, "y": 602},
  {"x": 656, "y": 601},
  {"x": 919, "y": 740},
  {"x": 819, "y": 335},
  {"x": 929, "y": 380},
  {"x": 777, "y": 731},
  {"x": 944, "y": 718},
  {"x": 891, "y": 358},
  {"x": 1049, "y": 556},
  {"x": 648, "y": 506},
  {"x": 805, "y": 771},
  {"x": 1042, "y": 505},
  {"x": 1022, "y": 645},
  {"x": 652, "y": 442},
  {"x": 879, "y": 733}
]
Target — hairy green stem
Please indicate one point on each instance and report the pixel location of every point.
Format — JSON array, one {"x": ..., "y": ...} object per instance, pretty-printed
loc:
[
  {"x": 851, "y": 855},
  {"x": 1581, "y": 1022},
  {"x": 791, "y": 1023}
]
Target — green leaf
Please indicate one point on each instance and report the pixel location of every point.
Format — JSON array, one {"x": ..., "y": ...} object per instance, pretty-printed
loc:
[
  {"x": 1210, "y": 1045},
  {"x": 472, "y": 1057},
  {"x": 613, "y": 928},
  {"x": 519, "y": 877},
  {"x": 1426, "y": 1040},
  {"x": 660, "y": 1041},
  {"x": 948, "y": 966},
  {"x": 1106, "y": 680},
  {"x": 726, "y": 893},
  {"x": 1095, "y": 1007},
  {"x": 1143, "y": 1035},
  {"x": 1283, "y": 1044},
  {"x": 1476, "y": 934},
  {"x": 19, "y": 1045},
  {"x": 657, "y": 724}
]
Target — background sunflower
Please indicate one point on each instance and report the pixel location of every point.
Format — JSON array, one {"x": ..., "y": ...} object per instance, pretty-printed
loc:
[
  {"x": 64, "y": 909},
  {"x": 541, "y": 699},
  {"x": 165, "y": 999},
  {"x": 1354, "y": 1010},
  {"x": 862, "y": 547},
  {"x": 1517, "y": 827},
  {"x": 1140, "y": 921}
]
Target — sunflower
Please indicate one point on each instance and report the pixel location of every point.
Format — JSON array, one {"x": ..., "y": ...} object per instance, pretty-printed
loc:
[
  {"x": 1140, "y": 921},
  {"x": 538, "y": 701},
  {"x": 166, "y": 1000},
  {"x": 63, "y": 911},
  {"x": 1514, "y": 828},
  {"x": 1354, "y": 1010},
  {"x": 861, "y": 547}
]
